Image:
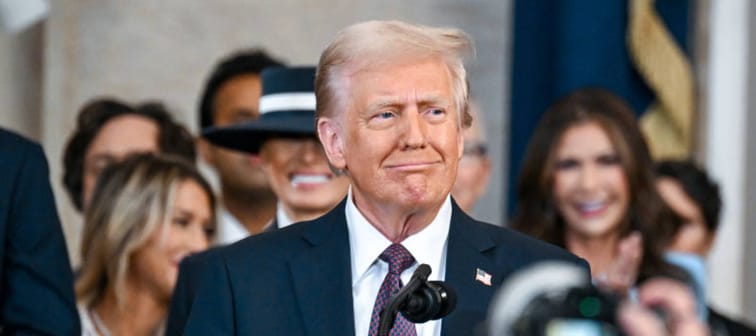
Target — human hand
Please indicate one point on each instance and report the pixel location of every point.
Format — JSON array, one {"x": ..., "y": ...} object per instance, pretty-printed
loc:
[
  {"x": 674, "y": 299},
  {"x": 623, "y": 272}
]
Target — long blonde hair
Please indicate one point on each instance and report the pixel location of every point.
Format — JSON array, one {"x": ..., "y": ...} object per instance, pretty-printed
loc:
[{"x": 132, "y": 199}]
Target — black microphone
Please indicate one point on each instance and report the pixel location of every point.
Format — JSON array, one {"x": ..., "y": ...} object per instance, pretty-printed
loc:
[
  {"x": 432, "y": 301},
  {"x": 419, "y": 301}
]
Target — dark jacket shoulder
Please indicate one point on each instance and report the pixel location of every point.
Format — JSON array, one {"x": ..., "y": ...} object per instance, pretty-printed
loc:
[
  {"x": 723, "y": 325},
  {"x": 519, "y": 248}
]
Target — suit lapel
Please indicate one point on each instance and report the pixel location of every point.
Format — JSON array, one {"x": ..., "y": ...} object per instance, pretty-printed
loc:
[
  {"x": 322, "y": 276},
  {"x": 469, "y": 249}
]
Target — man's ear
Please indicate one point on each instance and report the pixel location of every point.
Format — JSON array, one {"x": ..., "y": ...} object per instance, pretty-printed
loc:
[
  {"x": 205, "y": 151},
  {"x": 332, "y": 138}
]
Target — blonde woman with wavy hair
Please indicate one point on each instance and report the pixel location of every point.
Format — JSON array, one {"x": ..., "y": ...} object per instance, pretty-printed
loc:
[{"x": 147, "y": 213}]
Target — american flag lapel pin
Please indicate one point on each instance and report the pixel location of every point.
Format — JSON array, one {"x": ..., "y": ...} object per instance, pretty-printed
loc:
[{"x": 482, "y": 277}]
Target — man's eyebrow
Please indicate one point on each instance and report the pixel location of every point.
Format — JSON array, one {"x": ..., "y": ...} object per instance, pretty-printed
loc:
[
  {"x": 383, "y": 102},
  {"x": 424, "y": 100},
  {"x": 434, "y": 99}
]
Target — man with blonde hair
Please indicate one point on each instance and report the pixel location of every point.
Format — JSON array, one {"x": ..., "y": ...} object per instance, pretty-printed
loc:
[{"x": 391, "y": 103}]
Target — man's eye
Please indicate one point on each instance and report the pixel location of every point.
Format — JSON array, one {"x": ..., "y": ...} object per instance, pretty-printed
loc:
[
  {"x": 385, "y": 115},
  {"x": 435, "y": 115}
]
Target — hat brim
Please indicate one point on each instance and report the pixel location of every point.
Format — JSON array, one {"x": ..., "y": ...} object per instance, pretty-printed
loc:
[{"x": 250, "y": 136}]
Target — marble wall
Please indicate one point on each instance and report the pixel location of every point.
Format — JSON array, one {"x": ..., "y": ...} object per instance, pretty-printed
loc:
[{"x": 21, "y": 80}]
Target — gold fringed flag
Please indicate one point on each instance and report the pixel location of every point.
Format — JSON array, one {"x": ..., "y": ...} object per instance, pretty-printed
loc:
[{"x": 668, "y": 123}]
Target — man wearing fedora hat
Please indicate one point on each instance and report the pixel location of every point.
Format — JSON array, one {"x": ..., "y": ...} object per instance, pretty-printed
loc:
[
  {"x": 284, "y": 137},
  {"x": 391, "y": 104}
]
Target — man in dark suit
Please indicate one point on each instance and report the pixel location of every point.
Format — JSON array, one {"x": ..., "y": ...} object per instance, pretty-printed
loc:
[
  {"x": 36, "y": 282},
  {"x": 391, "y": 105}
]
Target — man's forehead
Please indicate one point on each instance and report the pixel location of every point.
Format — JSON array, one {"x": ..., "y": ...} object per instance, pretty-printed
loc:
[
  {"x": 435, "y": 97},
  {"x": 378, "y": 89},
  {"x": 370, "y": 65}
]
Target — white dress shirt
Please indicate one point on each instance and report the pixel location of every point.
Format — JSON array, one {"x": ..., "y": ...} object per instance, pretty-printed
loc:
[
  {"x": 230, "y": 229},
  {"x": 86, "y": 322},
  {"x": 366, "y": 244}
]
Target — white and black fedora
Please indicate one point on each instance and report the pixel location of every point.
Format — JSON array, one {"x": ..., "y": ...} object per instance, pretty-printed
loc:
[{"x": 287, "y": 110}]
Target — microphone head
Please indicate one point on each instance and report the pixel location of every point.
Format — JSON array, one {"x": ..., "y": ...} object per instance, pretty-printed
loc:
[
  {"x": 448, "y": 298},
  {"x": 422, "y": 272},
  {"x": 431, "y": 301}
]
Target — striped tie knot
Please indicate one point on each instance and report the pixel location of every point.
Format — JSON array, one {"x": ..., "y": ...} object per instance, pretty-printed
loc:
[{"x": 398, "y": 258}]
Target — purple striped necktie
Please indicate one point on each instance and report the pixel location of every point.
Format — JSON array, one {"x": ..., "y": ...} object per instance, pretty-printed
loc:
[{"x": 399, "y": 259}]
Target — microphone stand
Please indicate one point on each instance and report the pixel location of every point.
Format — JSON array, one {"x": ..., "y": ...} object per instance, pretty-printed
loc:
[{"x": 388, "y": 314}]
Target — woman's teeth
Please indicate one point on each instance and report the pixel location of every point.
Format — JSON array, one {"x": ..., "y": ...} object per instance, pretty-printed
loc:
[
  {"x": 591, "y": 206},
  {"x": 309, "y": 179}
]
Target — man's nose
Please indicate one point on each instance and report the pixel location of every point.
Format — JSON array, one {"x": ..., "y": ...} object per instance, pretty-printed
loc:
[{"x": 415, "y": 129}]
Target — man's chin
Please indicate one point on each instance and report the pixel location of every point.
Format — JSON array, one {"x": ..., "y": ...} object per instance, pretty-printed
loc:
[{"x": 418, "y": 202}]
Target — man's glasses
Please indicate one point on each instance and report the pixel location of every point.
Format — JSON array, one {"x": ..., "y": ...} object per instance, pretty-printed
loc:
[{"x": 478, "y": 149}]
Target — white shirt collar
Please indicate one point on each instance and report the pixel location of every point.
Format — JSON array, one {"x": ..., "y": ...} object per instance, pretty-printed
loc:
[
  {"x": 230, "y": 229},
  {"x": 423, "y": 245},
  {"x": 282, "y": 220}
]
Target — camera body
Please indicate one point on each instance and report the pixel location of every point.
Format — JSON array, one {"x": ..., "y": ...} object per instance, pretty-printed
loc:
[
  {"x": 584, "y": 311},
  {"x": 552, "y": 299}
]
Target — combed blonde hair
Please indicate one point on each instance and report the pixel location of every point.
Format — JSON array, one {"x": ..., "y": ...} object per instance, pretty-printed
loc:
[
  {"x": 373, "y": 44},
  {"x": 132, "y": 199}
]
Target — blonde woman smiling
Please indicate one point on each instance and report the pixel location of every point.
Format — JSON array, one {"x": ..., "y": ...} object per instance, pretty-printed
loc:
[{"x": 146, "y": 214}]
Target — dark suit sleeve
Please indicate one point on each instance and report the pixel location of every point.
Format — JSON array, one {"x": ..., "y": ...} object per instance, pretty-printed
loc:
[
  {"x": 202, "y": 301},
  {"x": 37, "y": 285}
]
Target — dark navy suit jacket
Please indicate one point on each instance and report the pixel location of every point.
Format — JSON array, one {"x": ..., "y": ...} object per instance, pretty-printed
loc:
[
  {"x": 297, "y": 280},
  {"x": 36, "y": 282}
]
